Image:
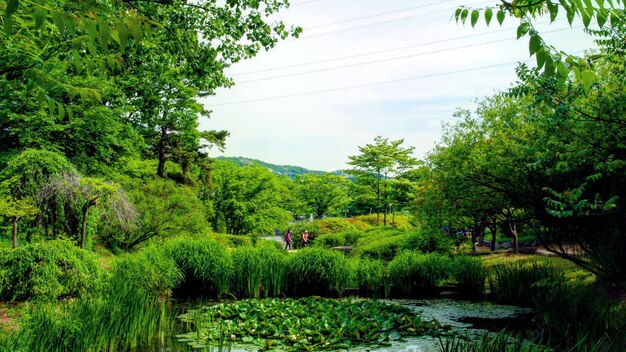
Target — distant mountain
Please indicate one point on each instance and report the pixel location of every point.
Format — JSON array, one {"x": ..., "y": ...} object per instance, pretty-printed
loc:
[{"x": 286, "y": 170}]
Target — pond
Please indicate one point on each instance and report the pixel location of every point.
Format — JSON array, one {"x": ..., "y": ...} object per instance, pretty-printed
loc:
[{"x": 214, "y": 327}]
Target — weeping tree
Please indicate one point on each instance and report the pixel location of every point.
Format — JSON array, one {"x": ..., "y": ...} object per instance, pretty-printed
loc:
[{"x": 84, "y": 193}]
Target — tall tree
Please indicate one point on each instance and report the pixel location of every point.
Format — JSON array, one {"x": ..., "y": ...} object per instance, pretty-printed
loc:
[
  {"x": 322, "y": 194},
  {"x": 382, "y": 160}
]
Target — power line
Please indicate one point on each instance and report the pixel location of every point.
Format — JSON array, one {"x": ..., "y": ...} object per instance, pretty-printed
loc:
[
  {"x": 378, "y": 14},
  {"x": 371, "y": 84},
  {"x": 303, "y": 2},
  {"x": 390, "y": 59},
  {"x": 370, "y": 53}
]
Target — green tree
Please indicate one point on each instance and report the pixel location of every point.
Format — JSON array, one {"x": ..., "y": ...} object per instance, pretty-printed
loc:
[
  {"x": 380, "y": 162},
  {"x": 248, "y": 199},
  {"x": 325, "y": 194},
  {"x": 15, "y": 210}
]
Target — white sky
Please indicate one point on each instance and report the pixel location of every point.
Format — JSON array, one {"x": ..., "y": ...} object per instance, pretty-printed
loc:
[{"x": 319, "y": 131}]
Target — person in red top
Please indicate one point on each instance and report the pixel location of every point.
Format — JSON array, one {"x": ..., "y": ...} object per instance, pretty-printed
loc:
[
  {"x": 305, "y": 238},
  {"x": 288, "y": 240}
]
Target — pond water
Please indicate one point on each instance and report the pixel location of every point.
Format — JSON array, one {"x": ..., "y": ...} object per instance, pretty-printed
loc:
[{"x": 467, "y": 318}]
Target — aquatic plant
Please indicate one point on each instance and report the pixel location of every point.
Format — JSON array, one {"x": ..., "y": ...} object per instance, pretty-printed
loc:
[
  {"x": 488, "y": 342},
  {"x": 258, "y": 271},
  {"x": 309, "y": 324},
  {"x": 317, "y": 271},
  {"x": 412, "y": 273},
  {"x": 516, "y": 283},
  {"x": 205, "y": 264},
  {"x": 368, "y": 276},
  {"x": 470, "y": 275}
]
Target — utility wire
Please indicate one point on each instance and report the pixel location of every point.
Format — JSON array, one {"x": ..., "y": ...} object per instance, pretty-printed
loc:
[
  {"x": 378, "y": 14},
  {"x": 392, "y": 58},
  {"x": 303, "y": 2},
  {"x": 371, "y": 84},
  {"x": 370, "y": 53}
]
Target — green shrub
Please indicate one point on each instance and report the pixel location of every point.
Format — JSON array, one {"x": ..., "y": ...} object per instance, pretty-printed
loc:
[
  {"x": 412, "y": 272},
  {"x": 258, "y": 271},
  {"x": 205, "y": 264},
  {"x": 380, "y": 243},
  {"x": 470, "y": 275},
  {"x": 426, "y": 243},
  {"x": 49, "y": 270},
  {"x": 317, "y": 271},
  {"x": 324, "y": 226},
  {"x": 399, "y": 221},
  {"x": 232, "y": 240}
]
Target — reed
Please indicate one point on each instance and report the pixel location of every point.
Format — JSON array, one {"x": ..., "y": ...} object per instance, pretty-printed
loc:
[
  {"x": 317, "y": 271},
  {"x": 470, "y": 275},
  {"x": 488, "y": 342},
  {"x": 414, "y": 273},
  {"x": 517, "y": 283},
  {"x": 206, "y": 266},
  {"x": 258, "y": 272},
  {"x": 368, "y": 276}
]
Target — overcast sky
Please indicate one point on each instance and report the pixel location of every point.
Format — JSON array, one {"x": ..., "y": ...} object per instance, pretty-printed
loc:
[{"x": 363, "y": 68}]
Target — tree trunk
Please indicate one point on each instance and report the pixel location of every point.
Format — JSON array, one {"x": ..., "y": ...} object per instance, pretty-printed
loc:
[
  {"x": 161, "y": 152},
  {"x": 493, "y": 229},
  {"x": 513, "y": 229},
  {"x": 15, "y": 219},
  {"x": 378, "y": 201}
]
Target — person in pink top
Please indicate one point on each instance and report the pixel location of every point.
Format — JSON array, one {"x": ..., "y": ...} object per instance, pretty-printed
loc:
[
  {"x": 288, "y": 240},
  {"x": 305, "y": 238}
]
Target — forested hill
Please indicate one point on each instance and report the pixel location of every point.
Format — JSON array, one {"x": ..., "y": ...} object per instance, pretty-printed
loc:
[{"x": 287, "y": 170}]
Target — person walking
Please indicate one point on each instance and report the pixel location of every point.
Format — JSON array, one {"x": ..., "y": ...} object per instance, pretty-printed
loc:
[
  {"x": 305, "y": 238},
  {"x": 288, "y": 240}
]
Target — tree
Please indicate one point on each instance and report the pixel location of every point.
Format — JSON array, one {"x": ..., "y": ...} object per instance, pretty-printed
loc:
[
  {"x": 248, "y": 199},
  {"x": 381, "y": 161},
  {"x": 15, "y": 210},
  {"x": 87, "y": 192},
  {"x": 322, "y": 194}
]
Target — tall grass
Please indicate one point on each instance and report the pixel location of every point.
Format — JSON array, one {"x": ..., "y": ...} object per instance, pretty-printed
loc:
[
  {"x": 414, "y": 273},
  {"x": 317, "y": 271},
  {"x": 470, "y": 275},
  {"x": 368, "y": 276},
  {"x": 488, "y": 342},
  {"x": 124, "y": 316},
  {"x": 206, "y": 266},
  {"x": 516, "y": 283},
  {"x": 258, "y": 272}
]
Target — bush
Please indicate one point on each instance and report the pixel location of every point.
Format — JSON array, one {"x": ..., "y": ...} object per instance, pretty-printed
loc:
[
  {"x": 426, "y": 243},
  {"x": 412, "y": 272},
  {"x": 205, "y": 264},
  {"x": 233, "y": 240},
  {"x": 258, "y": 271},
  {"x": 380, "y": 243},
  {"x": 339, "y": 239},
  {"x": 399, "y": 221},
  {"x": 324, "y": 226},
  {"x": 49, "y": 270},
  {"x": 470, "y": 275},
  {"x": 317, "y": 271}
]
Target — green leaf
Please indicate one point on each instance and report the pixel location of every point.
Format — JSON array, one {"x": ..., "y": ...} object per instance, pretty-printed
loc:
[
  {"x": 51, "y": 107},
  {"x": 105, "y": 35},
  {"x": 457, "y": 14},
  {"x": 8, "y": 25},
  {"x": 464, "y": 14},
  {"x": 59, "y": 22},
  {"x": 570, "y": 16},
  {"x": 522, "y": 29},
  {"x": 541, "y": 58},
  {"x": 488, "y": 15},
  {"x": 90, "y": 27},
  {"x": 61, "y": 111},
  {"x": 554, "y": 10},
  {"x": 601, "y": 18},
  {"x": 40, "y": 16},
  {"x": 586, "y": 18},
  {"x": 135, "y": 30},
  {"x": 12, "y": 6},
  {"x": 588, "y": 78},
  {"x": 500, "y": 16},
  {"x": 561, "y": 69},
  {"x": 122, "y": 33},
  {"x": 534, "y": 44},
  {"x": 474, "y": 18}
]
